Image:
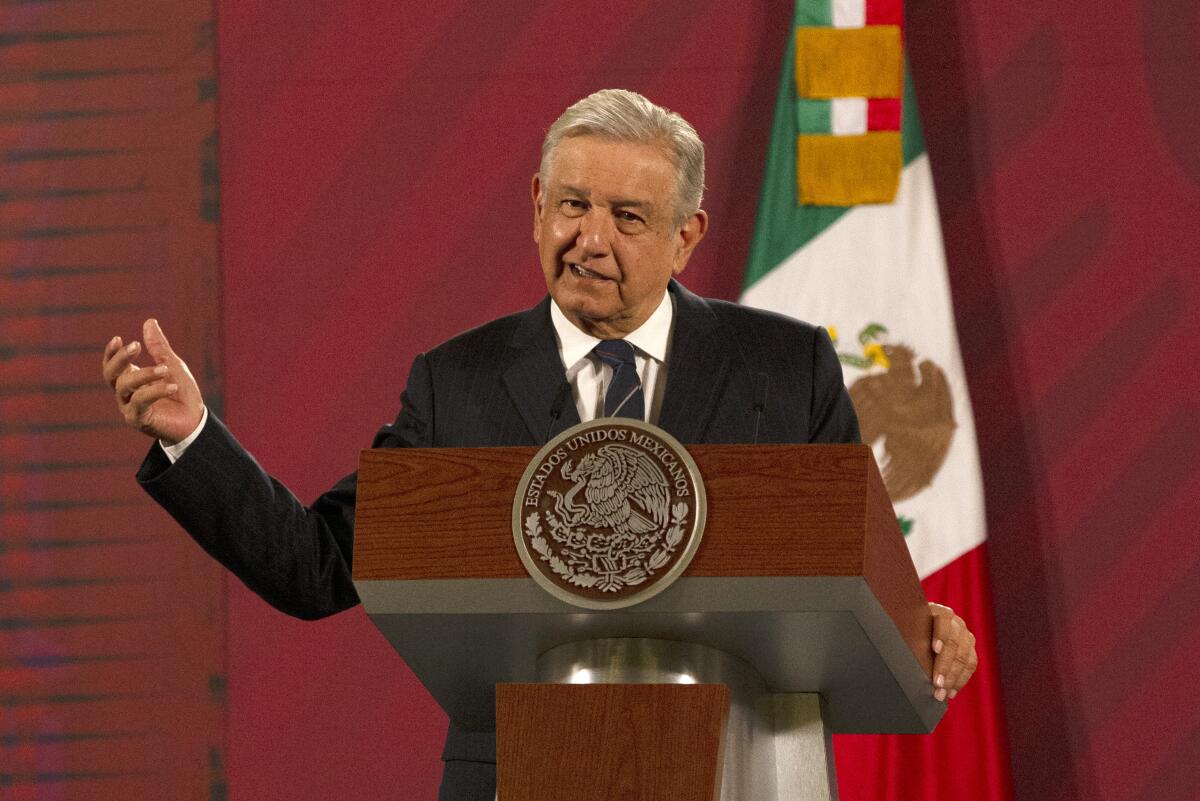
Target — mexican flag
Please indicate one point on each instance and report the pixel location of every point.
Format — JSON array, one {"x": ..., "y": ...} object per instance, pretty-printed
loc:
[{"x": 847, "y": 237}]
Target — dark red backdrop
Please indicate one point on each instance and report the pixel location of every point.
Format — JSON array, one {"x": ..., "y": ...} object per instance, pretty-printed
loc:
[
  {"x": 375, "y": 164},
  {"x": 112, "y": 635}
]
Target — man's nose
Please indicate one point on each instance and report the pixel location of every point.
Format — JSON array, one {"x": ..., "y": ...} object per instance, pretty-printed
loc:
[{"x": 595, "y": 232}]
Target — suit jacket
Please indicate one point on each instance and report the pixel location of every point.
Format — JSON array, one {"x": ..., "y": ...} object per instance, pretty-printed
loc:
[{"x": 736, "y": 375}]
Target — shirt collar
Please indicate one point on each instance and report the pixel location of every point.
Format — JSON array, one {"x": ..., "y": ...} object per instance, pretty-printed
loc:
[{"x": 650, "y": 338}]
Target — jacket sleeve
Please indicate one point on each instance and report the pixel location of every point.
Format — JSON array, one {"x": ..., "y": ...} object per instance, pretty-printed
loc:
[{"x": 296, "y": 558}]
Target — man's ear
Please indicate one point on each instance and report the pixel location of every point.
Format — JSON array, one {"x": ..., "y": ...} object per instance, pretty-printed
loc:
[
  {"x": 536, "y": 194},
  {"x": 689, "y": 235}
]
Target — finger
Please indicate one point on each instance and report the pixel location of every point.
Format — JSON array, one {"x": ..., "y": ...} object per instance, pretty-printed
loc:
[
  {"x": 965, "y": 663},
  {"x": 941, "y": 627},
  {"x": 132, "y": 380},
  {"x": 939, "y": 615},
  {"x": 946, "y": 630},
  {"x": 952, "y": 677},
  {"x": 111, "y": 348},
  {"x": 942, "y": 669},
  {"x": 145, "y": 397},
  {"x": 945, "y": 644},
  {"x": 156, "y": 342},
  {"x": 119, "y": 362}
]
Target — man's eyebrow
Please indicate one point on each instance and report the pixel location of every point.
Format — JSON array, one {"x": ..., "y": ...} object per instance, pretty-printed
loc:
[
  {"x": 574, "y": 190},
  {"x": 631, "y": 203},
  {"x": 619, "y": 202}
]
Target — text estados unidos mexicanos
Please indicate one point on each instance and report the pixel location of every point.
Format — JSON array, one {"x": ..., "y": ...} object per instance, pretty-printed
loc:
[{"x": 675, "y": 470}]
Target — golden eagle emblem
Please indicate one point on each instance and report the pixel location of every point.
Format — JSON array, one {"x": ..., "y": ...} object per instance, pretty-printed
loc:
[{"x": 909, "y": 407}]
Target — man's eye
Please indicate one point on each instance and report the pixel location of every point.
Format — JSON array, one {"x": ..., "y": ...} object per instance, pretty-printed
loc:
[
  {"x": 628, "y": 219},
  {"x": 573, "y": 206}
]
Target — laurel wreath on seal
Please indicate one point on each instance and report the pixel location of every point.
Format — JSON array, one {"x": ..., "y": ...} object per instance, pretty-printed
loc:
[{"x": 575, "y": 570}]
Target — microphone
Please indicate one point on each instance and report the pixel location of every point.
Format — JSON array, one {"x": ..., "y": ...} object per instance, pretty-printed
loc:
[
  {"x": 761, "y": 384},
  {"x": 556, "y": 408}
]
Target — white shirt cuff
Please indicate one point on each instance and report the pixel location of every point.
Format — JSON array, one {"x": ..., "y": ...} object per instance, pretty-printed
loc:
[{"x": 175, "y": 451}]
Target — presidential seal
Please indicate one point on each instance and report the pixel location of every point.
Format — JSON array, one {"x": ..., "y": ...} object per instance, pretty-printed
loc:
[{"x": 609, "y": 513}]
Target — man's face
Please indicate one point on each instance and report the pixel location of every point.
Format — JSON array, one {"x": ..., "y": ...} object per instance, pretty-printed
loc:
[{"x": 604, "y": 222}]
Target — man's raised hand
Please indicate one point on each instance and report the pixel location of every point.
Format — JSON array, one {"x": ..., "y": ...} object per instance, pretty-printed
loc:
[{"x": 162, "y": 399}]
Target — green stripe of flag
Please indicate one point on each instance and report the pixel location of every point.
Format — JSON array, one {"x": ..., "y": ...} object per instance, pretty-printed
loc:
[
  {"x": 814, "y": 116},
  {"x": 782, "y": 226},
  {"x": 814, "y": 12}
]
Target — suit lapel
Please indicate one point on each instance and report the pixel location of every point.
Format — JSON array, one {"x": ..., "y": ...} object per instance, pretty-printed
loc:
[
  {"x": 702, "y": 366},
  {"x": 535, "y": 375},
  {"x": 700, "y": 361}
]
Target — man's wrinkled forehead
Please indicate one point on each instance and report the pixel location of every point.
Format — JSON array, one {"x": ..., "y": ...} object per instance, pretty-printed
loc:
[{"x": 662, "y": 145}]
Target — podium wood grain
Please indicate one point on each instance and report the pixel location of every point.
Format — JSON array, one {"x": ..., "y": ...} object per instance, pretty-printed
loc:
[
  {"x": 814, "y": 510},
  {"x": 598, "y": 742}
]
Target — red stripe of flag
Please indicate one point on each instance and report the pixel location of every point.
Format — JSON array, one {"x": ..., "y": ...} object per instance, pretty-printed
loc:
[
  {"x": 967, "y": 755},
  {"x": 885, "y": 12},
  {"x": 883, "y": 114}
]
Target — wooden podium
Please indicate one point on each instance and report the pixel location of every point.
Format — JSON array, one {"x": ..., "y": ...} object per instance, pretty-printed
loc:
[{"x": 801, "y": 614}]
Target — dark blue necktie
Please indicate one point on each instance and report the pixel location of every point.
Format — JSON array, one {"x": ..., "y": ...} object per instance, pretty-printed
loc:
[{"x": 624, "y": 397}]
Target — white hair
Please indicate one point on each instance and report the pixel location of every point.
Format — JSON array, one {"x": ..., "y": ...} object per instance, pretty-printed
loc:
[{"x": 629, "y": 117}]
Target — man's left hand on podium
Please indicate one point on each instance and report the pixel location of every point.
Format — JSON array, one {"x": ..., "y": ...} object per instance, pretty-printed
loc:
[{"x": 954, "y": 646}]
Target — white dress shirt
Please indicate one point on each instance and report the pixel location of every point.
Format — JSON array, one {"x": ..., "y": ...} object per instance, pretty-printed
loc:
[
  {"x": 589, "y": 376},
  {"x": 175, "y": 451}
]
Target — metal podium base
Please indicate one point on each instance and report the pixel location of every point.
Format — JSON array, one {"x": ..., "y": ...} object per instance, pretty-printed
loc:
[{"x": 777, "y": 745}]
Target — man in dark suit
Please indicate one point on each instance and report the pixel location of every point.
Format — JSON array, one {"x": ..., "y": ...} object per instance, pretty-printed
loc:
[{"x": 616, "y": 216}]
